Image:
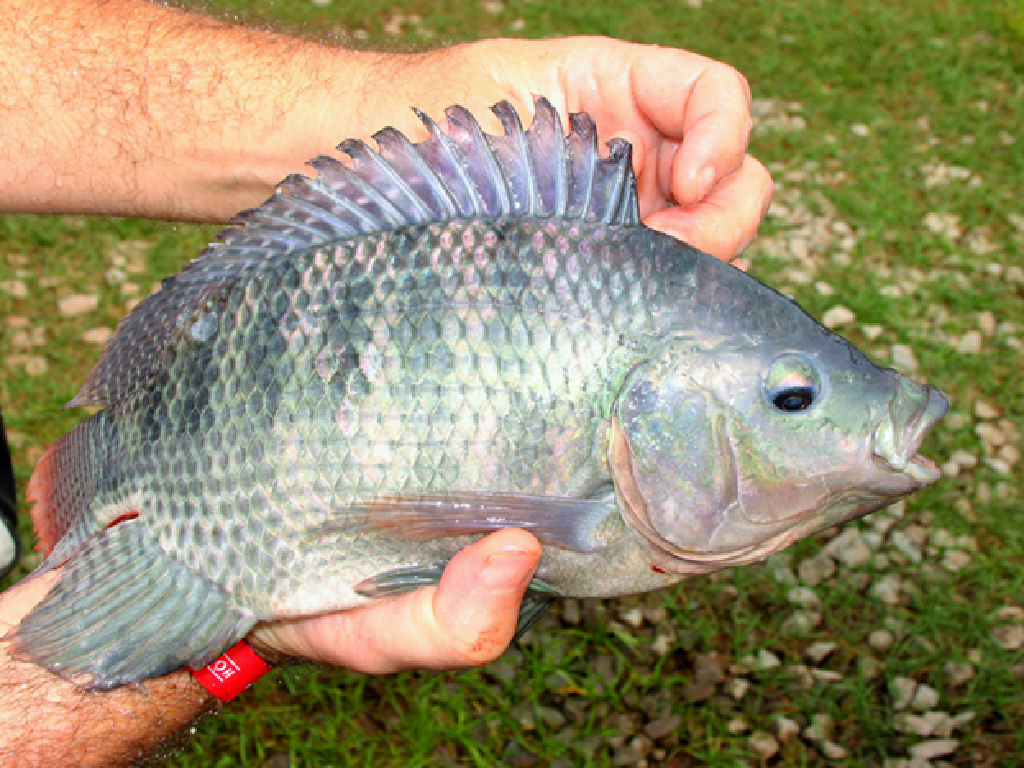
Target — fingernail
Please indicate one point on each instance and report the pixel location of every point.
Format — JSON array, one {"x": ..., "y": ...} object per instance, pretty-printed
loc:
[
  {"x": 507, "y": 571},
  {"x": 707, "y": 181}
]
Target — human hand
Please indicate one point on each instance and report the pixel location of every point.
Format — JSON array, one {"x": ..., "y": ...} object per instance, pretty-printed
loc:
[
  {"x": 687, "y": 117},
  {"x": 466, "y": 621}
]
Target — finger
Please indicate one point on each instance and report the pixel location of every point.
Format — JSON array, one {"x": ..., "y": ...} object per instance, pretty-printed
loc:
[
  {"x": 467, "y": 620},
  {"x": 711, "y": 115},
  {"x": 726, "y": 221}
]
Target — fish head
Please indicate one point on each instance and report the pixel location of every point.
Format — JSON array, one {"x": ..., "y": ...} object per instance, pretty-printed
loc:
[{"x": 727, "y": 449}]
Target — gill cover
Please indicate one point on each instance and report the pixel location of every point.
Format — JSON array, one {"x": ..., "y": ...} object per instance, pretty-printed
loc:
[{"x": 672, "y": 459}]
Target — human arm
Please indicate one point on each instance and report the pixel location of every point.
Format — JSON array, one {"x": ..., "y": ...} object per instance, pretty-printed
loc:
[
  {"x": 132, "y": 108},
  {"x": 467, "y": 620}
]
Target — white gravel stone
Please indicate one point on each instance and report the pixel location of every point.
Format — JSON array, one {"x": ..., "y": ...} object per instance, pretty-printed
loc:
[
  {"x": 663, "y": 643},
  {"x": 78, "y": 304},
  {"x": 818, "y": 652},
  {"x": 805, "y": 598},
  {"x": 984, "y": 410},
  {"x": 1010, "y": 454},
  {"x": 786, "y": 729},
  {"x": 1010, "y": 613},
  {"x": 767, "y": 660},
  {"x": 738, "y": 725},
  {"x": 970, "y": 343},
  {"x": 925, "y": 697},
  {"x": 16, "y": 288},
  {"x": 929, "y": 750},
  {"x": 966, "y": 541},
  {"x": 903, "y": 359},
  {"x": 965, "y": 459},
  {"x": 819, "y": 727},
  {"x": 998, "y": 465},
  {"x": 990, "y": 433},
  {"x": 881, "y": 640},
  {"x": 737, "y": 687},
  {"x": 873, "y": 540},
  {"x": 838, "y": 316},
  {"x": 826, "y": 675},
  {"x": 871, "y": 332},
  {"x": 634, "y": 617},
  {"x": 958, "y": 672},
  {"x": 887, "y": 589},
  {"x": 903, "y": 689},
  {"x": 97, "y": 335},
  {"x": 955, "y": 560},
  {"x": 816, "y": 569},
  {"x": 1009, "y": 637},
  {"x": 947, "y": 224},
  {"x": 987, "y": 322},
  {"x": 801, "y": 622},
  {"x": 35, "y": 365},
  {"x": 850, "y": 548},
  {"x": 764, "y": 744},
  {"x": 916, "y": 725},
  {"x": 859, "y": 129},
  {"x": 832, "y": 751},
  {"x": 906, "y": 546}
]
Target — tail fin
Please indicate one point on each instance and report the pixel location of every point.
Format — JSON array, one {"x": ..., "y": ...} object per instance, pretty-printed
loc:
[
  {"x": 63, "y": 485},
  {"x": 124, "y": 611}
]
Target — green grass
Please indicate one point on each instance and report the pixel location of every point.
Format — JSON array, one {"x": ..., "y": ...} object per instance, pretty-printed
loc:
[{"x": 922, "y": 76}]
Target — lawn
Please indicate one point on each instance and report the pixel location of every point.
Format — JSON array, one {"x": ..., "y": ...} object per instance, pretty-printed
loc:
[{"x": 893, "y": 133}]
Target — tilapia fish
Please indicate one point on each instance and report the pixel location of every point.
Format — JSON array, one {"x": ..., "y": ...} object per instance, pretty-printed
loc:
[{"x": 433, "y": 341}]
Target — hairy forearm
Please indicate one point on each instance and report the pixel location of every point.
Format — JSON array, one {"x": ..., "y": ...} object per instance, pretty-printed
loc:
[
  {"x": 47, "y": 721},
  {"x": 127, "y": 107}
]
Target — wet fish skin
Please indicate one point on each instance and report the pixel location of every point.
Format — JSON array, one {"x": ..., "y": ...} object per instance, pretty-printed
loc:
[{"x": 313, "y": 416}]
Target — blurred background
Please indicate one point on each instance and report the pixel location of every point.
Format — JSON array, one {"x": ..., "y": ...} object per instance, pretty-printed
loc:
[{"x": 893, "y": 134}]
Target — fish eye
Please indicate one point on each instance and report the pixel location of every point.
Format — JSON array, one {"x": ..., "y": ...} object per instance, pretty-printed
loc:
[
  {"x": 793, "y": 399},
  {"x": 792, "y": 383}
]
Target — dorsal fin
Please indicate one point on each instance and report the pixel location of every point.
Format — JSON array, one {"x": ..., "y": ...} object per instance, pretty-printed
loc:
[{"x": 464, "y": 174}]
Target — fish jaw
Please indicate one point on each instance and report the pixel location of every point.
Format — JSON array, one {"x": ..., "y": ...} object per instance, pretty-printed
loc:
[{"x": 912, "y": 412}]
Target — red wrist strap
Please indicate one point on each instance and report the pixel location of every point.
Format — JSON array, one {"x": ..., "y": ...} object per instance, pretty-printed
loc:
[{"x": 231, "y": 672}]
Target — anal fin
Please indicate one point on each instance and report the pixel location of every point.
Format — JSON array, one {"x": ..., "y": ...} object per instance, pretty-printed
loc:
[
  {"x": 123, "y": 611},
  {"x": 538, "y": 598}
]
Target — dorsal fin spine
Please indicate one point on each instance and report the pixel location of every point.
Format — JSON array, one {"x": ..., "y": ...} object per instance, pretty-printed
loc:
[
  {"x": 454, "y": 161},
  {"x": 537, "y": 173}
]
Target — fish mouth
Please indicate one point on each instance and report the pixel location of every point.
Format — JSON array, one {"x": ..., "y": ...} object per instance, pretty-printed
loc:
[{"x": 913, "y": 411}]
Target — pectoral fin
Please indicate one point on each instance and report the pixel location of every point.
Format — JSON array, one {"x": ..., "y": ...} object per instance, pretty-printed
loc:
[{"x": 570, "y": 523}]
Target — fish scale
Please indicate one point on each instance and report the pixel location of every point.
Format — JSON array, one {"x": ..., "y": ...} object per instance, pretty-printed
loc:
[
  {"x": 387, "y": 406},
  {"x": 384, "y": 363}
]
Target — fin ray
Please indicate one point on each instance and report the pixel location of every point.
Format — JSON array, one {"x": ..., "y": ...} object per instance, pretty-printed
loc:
[
  {"x": 465, "y": 173},
  {"x": 123, "y": 611},
  {"x": 565, "y": 522}
]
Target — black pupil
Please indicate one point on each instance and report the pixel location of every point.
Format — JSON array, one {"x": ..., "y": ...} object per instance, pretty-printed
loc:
[{"x": 794, "y": 399}]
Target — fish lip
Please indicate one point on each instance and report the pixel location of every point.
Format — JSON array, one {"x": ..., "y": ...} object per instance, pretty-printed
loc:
[{"x": 904, "y": 459}]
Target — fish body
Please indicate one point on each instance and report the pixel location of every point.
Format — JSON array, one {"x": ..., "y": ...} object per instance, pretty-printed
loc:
[{"x": 391, "y": 360}]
